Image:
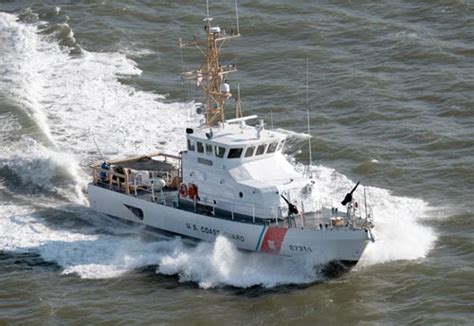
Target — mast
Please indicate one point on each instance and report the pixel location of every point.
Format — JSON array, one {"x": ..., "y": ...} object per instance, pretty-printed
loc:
[
  {"x": 238, "y": 107},
  {"x": 211, "y": 75}
]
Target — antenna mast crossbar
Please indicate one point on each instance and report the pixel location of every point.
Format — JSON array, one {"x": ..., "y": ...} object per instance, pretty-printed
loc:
[{"x": 210, "y": 75}]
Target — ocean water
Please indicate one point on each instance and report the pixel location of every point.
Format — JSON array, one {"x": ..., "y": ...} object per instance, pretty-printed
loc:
[{"x": 391, "y": 105}]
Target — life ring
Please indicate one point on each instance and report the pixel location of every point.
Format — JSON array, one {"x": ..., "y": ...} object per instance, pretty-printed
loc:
[
  {"x": 183, "y": 190},
  {"x": 192, "y": 191}
]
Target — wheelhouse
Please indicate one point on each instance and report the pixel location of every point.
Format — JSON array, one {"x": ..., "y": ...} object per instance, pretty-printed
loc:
[{"x": 222, "y": 146}]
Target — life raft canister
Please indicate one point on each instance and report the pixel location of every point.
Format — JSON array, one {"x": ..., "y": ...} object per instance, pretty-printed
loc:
[
  {"x": 183, "y": 190},
  {"x": 192, "y": 191}
]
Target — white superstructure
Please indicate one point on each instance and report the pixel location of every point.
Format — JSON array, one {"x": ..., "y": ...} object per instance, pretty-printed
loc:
[{"x": 242, "y": 169}]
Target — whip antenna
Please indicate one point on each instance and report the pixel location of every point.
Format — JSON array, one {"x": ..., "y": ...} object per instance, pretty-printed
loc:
[
  {"x": 237, "y": 17},
  {"x": 98, "y": 149},
  {"x": 307, "y": 118},
  {"x": 271, "y": 117},
  {"x": 238, "y": 107},
  {"x": 183, "y": 80},
  {"x": 207, "y": 8}
]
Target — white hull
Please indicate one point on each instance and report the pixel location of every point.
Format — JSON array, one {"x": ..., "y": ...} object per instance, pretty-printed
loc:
[{"x": 328, "y": 245}]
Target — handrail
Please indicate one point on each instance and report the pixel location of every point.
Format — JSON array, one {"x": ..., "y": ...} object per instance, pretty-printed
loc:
[
  {"x": 250, "y": 117},
  {"x": 132, "y": 185},
  {"x": 138, "y": 157}
]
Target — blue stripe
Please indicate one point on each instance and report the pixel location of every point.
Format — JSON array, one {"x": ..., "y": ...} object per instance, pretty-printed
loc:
[{"x": 260, "y": 237}]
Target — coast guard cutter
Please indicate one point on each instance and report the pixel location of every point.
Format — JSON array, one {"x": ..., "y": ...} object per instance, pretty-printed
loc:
[{"x": 232, "y": 180}]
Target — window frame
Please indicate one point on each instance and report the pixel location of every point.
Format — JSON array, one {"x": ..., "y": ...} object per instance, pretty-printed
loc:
[
  {"x": 273, "y": 149},
  {"x": 191, "y": 145},
  {"x": 281, "y": 145},
  {"x": 253, "y": 148},
  {"x": 263, "y": 151},
  {"x": 200, "y": 147},
  {"x": 238, "y": 150},
  {"x": 217, "y": 151},
  {"x": 206, "y": 149}
]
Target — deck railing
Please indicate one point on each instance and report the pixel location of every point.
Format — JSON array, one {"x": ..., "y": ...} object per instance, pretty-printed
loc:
[
  {"x": 123, "y": 180},
  {"x": 137, "y": 184}
]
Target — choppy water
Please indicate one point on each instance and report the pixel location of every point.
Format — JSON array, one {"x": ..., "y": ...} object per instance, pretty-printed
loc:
[{"x": 391, "y": 97}]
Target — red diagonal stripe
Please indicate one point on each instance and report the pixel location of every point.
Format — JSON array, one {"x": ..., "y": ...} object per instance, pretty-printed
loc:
[{"x": 273, "y": 240}]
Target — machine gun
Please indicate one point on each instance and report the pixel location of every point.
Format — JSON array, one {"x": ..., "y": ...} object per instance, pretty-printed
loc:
[
  {"x": 292, "y": 209},
  {"x": 348, "y": 197}
]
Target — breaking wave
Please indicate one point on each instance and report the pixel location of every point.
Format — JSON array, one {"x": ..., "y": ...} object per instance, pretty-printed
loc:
[
  {"x": 41, "y": 171},
  {"x": 99, "y": 255},
  {"x": 220, "y": 263},
  {"x": 73, "y": 97}
]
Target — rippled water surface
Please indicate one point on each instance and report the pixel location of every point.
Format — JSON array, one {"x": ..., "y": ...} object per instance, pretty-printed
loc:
[{"x": 391, "y": 105}]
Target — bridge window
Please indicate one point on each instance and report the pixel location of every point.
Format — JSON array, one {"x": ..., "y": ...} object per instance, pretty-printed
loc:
[
  {"x": 272, "y": 147},
  {"x": 235, "y": 153},
  {"x": 249, "y": 151},
  {"x": 281, "y": 145},
  {"x": 208, "y": 149},
  {"x": 191, "y": 145},
  {"x": 261, "y": 149},
  {"x": 200, "y": 147},
  {"x": 219, "y": 151}
]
